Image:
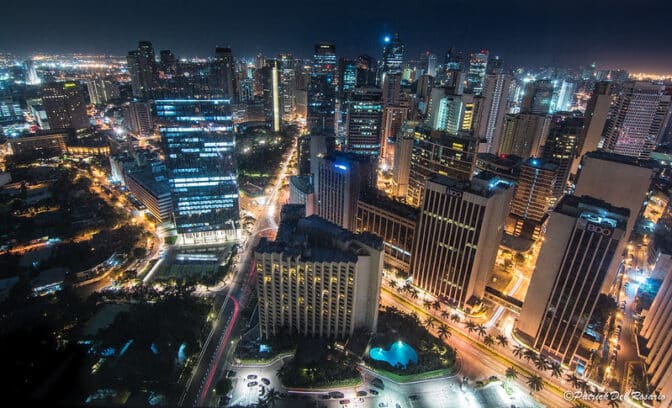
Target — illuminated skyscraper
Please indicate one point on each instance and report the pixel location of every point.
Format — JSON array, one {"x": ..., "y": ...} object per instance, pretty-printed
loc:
[
  {"x": 347, "y": 76},
  {"x": 641, "y": 117},
  {"x": 322, "y": 88},
  {"x": 317, "y": 279},
  {"x": 561, "y": 145},
  {"x": 492, "y": 110},
  {"x": 523, "y": 134},
  {"x": 478, "y": 63},
  {"x": 595, "y": 120},
  {"x": 65, "y": 105},
  {"x": 366, "y": 71},
  {"x": 143, "y": 70},
  {"x": 461, "y": 225},
  {"x": 223, "y": 75},
  {"x": 537, "y": 98},
  {"x": 199, "y": 144},
  {"x": 582, "y": 237},
  {"x": 533, "y": 197},
  {"x": 363, "y": 121},
  {"x": 393, "y": 55}
]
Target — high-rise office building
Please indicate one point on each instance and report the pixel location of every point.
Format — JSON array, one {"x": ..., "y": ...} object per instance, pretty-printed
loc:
[
  {"x": 504, "y": 166},
  {"x": 347, "y": 76},
  {"x": 138, "y": 117},
  {"x": 317, "y": 279},
  {"x": 393, "y": 55},
  {"x": 595, "y": 120},
  {"x": 446, "y": 111},
  {"x": 275, "y": 95},
  {"x": 394, "y": 222},
  {"x": 143, "y": 70},
  {"x": 533, "y": 197},
  {"x": 392, "y": 90},
  {"x": 167, "y": 64},
  {"x": 563, "y": 96},
  {"x": 582, "y": 238},
  {"x": 620, "y": 180},
  {"x": 561, "y": 145},
  {"x": 287, "y": 84},
  {"x": 428, "y": 64},
  {"x": 641, "y": 115},
  {"x": 102, "y": 90},
  {"x": 393, "y": 118},
  {"x": 656, "y": 330},
  {"x": 322, "y": 88},
  {"x": 199, "y": 145},
  {"x": 478, "y": 64},
  {"x": 537, "y": 98},
  {"x": 65, "y": 105},
  {"x": 364, "y": 111},
  {"x": 367, "y": 71},
  {"x": 31, "y": 73},
  {"x": 223, "y": 75},
  {"x": 492, "y": 109},
  {"x": 523, "y": 134},
  {"x": 439, "y": 152},
  {"x": 403, "y": 150},
  {"x": 461, "y": 225},
  {"x": 338, "y": 182}
]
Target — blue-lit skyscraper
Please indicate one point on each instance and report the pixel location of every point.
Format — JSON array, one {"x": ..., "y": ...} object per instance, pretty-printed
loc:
[
  {"x": 322, "y": 88},
  {"x": 198, "y": 142},
  {"x": 393, "y": 55}
]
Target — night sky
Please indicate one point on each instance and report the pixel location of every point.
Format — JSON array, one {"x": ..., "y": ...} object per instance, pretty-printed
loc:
[{"x": 636, "y": 35}]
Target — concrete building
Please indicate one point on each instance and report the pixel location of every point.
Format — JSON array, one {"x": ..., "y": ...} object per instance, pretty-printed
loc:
[
  {"x": 301, "y": 192},
  {"x": 151, "y": 188},
  {"x": 533, "y": 198},
  {"x": 504, "y": 166},
  {"x": 461, "y": 225},
  {"x": 524, "y": 134},
  {"x": 403, "y": 149},
  {"x": 40, "y": 145},
  {"x": 364, "y": 112},
  {"x": 317, "y": 279},
  {"x": 582, "y": 238},
  {"x": 640, "y": 118},
  {"x": 138, "y": 117},
  {"x": 595, "y": 119},
  {"x": 339, "y": 180},
  {"x": 492, "y": 109},
  {"x": 65, "y": 105},
  {"x": 393, "y": 118},
  {"x": 439, "y": 152},
  {"x": 619, "y": 180},
  {"x": 560, "y": 146},
  {"x": 395, "y": 222}
]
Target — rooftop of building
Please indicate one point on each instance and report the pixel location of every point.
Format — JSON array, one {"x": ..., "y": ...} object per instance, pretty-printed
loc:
[
  {"x": 316, "y": 239},
  {"x": 302, "y": 183},
  {"x": 484, "y": 184},
  {"x": 619, "y": 158},
  {"x": 594, "y": 210},
  {"x": 503, "y": 160},
  {"x": 541, "y": 164},
  {"x": 380, "y": 200},
  {"x": 156, "y": 183}
]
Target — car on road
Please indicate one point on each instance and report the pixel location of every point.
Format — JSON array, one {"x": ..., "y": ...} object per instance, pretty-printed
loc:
[
  {"x": 362, "y": 393},
  {"x": 252, "y": 377},
  {"x": 382, "y": 405},
  {"x": 230, "y": 373},
  {"x": 373, "y": 392},
  {"x": 252, "y": 383},
  {"x": 378, "y": 383},
  {"x": 266, "y": 381},
  {"x": 336, "y": 394},
  {"x": 325, "y": 396},
  {"x": 344, "y": 402}
]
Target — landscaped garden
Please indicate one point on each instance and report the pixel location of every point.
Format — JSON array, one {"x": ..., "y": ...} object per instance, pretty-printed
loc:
[{"x": 320, "y": 364}]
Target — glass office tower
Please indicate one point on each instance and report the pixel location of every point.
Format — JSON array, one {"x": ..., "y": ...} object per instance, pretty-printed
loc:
[{"x": 198, "y": 141}]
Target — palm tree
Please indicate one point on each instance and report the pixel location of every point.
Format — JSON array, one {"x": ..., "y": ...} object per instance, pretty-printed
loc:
[
  {"x": 443, "y": 331},
  {"x": 272, "y": 396},
  {"x": 613, "y": 403},
  {"x": 414, "y": 293},
  {"x": 519, "y": 351},
  {"x": 471, "y": 326},
  {"x": 535, "y": 382},
  {"x": 511, "y": 373},
  {"x": 480, "y": 329},
  {"x": 556, "y": 369},
  {"x": 427, "y": 304},
  {"x": 541, "y": 362},
  {"x": 488, "y": 340},
  {"x": 573, "y": 379},
  {"x": 393, "y": 283},
  {"x": 502, "y": 340},
  {"x": 529, "y": 355},
  {"x": 436, "y": 305},
  {"x": 429, "y": 322},
  {"x": 579, "y": 405},
  {"x": 455, "y": 317},
  {"x": 445, "y": 315}
]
